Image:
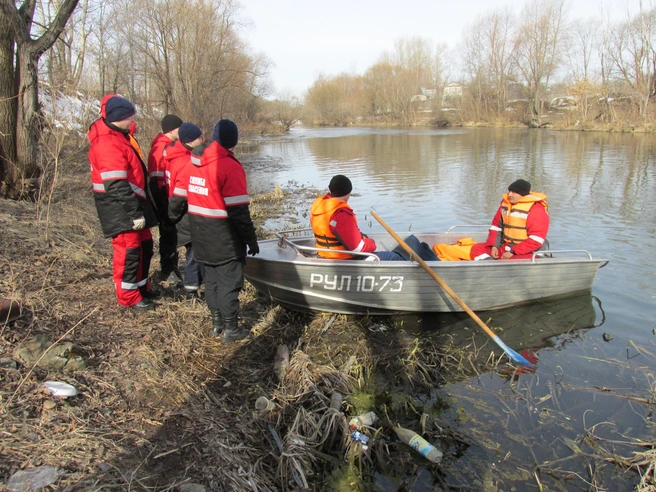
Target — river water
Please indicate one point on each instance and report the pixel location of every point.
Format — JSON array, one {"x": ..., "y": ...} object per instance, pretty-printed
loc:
[{"x": 595, "y": 353}]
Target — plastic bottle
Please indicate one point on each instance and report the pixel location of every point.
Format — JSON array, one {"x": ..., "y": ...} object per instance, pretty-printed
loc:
[
  {"x": 419, "y": 444},
  {"x": 360, "y": 421}
]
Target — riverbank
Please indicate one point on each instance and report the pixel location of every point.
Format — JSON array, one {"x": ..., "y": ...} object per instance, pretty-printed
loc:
[{"x": 162, "y": 407}]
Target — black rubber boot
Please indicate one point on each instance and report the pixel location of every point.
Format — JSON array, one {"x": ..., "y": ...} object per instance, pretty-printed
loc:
[
  {"x": 232, "y": 332},
  {"x": 217, "y": 324}
]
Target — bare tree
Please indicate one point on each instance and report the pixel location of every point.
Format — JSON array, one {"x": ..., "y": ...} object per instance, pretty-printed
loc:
[
  {"x": 20, "y": 118},
  {"x": 287, "y": 110},
  {"x": 582, "y": 47},
  {"x": 632, "y": 51},
  {"x": 538, "y": 47},
  {"x": 64, "y": 62}
]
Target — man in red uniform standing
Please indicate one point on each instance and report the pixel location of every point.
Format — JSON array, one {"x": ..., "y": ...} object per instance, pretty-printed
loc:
[
  {"x": 125, "y": 209},
  {"x": 336, "y": 228},
  {"x": 178, "y": 167},
  {"x": 168, "y": 250},
  {"x": 221, "y": 226},
  {"x": 519, "y": 228}
]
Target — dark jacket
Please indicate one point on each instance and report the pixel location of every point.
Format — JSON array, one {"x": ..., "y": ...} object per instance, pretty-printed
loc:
[
  {"x": 218, "y": 206},
  {"x": 119, "y": 178}
]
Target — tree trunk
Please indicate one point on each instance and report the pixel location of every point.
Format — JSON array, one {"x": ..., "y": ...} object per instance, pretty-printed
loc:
[
  {"x": 7, "y": 104},
  {"x": 25, "y": 174}
]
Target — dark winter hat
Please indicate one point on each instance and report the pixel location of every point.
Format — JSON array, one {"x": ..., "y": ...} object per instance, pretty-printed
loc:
[
  {"x": 340, "y": 185},
  {"x": 521, "y": 187},
  {"x": 170, "y": 122},
  {"x": 188, "y": 132},
  {"x": 226, "y": 133},
  {"x": 118, "y": 109}
]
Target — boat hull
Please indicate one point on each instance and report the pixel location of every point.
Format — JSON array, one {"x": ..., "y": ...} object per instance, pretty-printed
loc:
[{"x": 368, "y": 287}]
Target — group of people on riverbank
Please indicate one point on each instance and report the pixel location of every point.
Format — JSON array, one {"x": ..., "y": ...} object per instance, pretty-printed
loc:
[{"x": 193, "y": 190}]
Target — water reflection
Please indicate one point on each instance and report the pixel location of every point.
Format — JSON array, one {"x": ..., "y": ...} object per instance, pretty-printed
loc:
[{"x": 526, "y": 329}]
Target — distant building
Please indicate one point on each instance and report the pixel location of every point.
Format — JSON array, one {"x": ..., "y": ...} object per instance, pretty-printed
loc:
[{"x": 452, "y": 95}]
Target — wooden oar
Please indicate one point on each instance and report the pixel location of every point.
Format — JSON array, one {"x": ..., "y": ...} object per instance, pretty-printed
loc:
[{"x": 509, "y": 352}]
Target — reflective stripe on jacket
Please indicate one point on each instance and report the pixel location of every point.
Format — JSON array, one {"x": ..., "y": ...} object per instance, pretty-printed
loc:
[
  {"x": 514, "y": 217},
  {"x": 321, "y": 212}
]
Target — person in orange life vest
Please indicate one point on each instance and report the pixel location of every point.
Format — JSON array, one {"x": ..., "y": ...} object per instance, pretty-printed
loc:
[
  {"x": 177, "y": 158},
  {"x": 125, "y": 208},
  {"x": 221, "y": 226},
  {"x": 519, "y": 227},
  {"x": 168, "y": 250},
  {"x": 336, "y": 228}
]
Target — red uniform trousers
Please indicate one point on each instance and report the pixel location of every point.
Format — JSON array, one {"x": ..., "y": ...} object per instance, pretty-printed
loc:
[{"x": 133, "y": 251}]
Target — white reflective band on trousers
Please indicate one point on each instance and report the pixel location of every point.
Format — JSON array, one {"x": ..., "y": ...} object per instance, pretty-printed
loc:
[{"x": 130, "y": 286}]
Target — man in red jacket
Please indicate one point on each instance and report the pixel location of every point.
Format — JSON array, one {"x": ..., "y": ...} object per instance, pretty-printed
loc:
[
  {"x": 221, "y": 225},
  {"x": 336, "y": 228},
  {"x": 178, "y": 167},
  {"x": 168, "y": 250},
  {"x": 519, "y": 227},
  {"x": 125, "y": 208}
]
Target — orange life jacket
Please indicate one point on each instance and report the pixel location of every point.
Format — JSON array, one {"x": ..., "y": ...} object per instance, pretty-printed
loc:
[
  {"x": 514, "y": 216},
  {"x": 320, "y": 213}
]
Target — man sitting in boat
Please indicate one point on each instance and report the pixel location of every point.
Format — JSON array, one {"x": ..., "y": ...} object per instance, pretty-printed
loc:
[
  {"x": 336, "y": 228},
  {"x": 519, "y": 227}
]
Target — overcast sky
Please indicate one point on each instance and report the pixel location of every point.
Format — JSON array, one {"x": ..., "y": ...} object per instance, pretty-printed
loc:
[{"x": 304, "y": 38}]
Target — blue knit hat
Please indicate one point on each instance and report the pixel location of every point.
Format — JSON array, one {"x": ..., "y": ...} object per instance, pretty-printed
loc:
[
  {"x": 226, "y": 133},
  {"x": 188, "y": 132},
  {"x": 118, "y": 109}
]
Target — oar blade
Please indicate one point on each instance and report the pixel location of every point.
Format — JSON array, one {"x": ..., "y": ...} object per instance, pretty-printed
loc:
[{"x": 512, "y": 354}]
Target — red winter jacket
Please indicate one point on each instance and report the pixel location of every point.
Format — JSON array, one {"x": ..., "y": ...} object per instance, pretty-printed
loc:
[
  {"x": 177, "y": 163},
  {"x": 218, "y": 201},
  {"x": 156, "y": 172},
  {"x": 119, "y": 180}
]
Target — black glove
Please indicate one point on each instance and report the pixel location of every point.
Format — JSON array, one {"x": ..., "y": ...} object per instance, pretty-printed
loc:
[{"x": 253, "y": 249}]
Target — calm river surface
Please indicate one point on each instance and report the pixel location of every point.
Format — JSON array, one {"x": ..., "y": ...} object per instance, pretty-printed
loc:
[{"x": 597, "y": 353}]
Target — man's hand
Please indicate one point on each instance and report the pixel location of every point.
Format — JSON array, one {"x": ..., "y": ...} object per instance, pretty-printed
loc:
[
  {"x": 507, "y": 255},
  {"x": 494, "y": 252},
  {"x": 253, "y": 249},
  {"x": 138, "y": 224}
]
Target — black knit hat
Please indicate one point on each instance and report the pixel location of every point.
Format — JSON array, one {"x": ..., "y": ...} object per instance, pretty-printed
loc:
[
  {"x": 340, "y": 186},
  {"x": 188, "y": 132},
  {"x": 118, "y": 109},
  {"x": 521, "y": 187},
  {"x": 170, "y": 122},
  {"x": 226, "y": 133}
]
